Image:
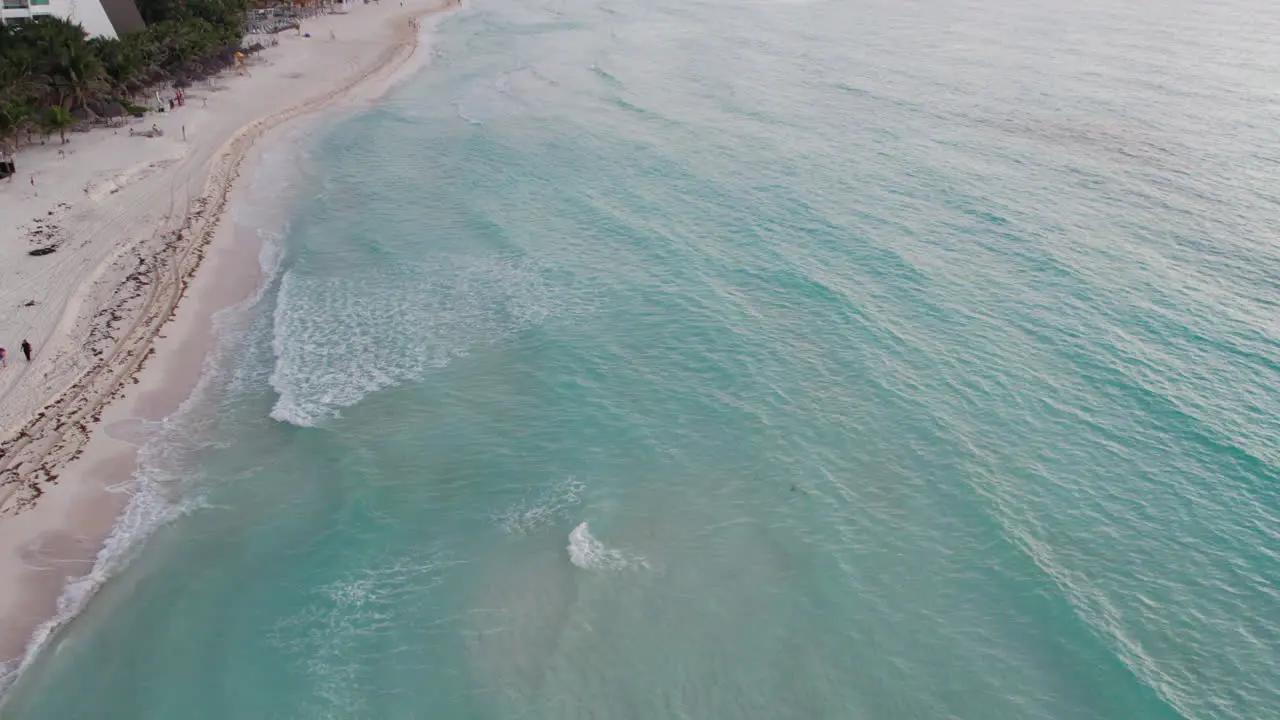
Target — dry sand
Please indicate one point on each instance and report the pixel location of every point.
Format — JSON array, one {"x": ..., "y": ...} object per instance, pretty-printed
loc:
[{"x": 131, "y": 219}]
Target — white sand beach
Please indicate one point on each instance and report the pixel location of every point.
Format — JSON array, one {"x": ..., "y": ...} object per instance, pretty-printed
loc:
[{"x": 130, "y": 220}]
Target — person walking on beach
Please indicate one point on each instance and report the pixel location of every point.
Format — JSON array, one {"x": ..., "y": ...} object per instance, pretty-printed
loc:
[
  {"x": 26, "y": 349},
  {"x": 2, "y": 360}
]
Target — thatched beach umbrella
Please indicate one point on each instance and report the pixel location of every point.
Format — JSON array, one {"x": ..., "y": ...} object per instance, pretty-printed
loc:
[
  {"x": 84, "y": 114},
  {"x": 106, "y": 108},
  {"x": 113, "y": 109}
]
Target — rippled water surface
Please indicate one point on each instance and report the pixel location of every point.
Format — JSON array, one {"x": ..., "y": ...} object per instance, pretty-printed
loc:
[{"x": 715, "y": 359}]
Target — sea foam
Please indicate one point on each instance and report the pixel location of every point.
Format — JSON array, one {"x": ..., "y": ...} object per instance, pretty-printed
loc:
[
  {"x": 339, "y": 339},
  {"x": 588, "y": 553},
  {"x": 542, "y": 508},
  {"x": 163, "y": 488}
]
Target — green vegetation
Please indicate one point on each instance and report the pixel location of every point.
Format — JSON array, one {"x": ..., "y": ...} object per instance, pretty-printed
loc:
[
  {"x": 58, "y": 119},
  {"x": 51, "y": 74}
]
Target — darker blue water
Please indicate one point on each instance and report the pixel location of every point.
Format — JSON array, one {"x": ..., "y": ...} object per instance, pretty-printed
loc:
[{"x": 773, "y": 359}]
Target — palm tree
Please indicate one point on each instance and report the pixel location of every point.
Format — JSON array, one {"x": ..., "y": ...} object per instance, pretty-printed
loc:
[
  {"x": 15, "y": 117},
  {"x": 58, "y": 118},
  {"x": 49, "y": 70},
  {"x": 73, "y": 71},
  {"x": 18, "y": 77},
  {"x": 19, "y": 87},
  {"x": 125, "y": 61}
]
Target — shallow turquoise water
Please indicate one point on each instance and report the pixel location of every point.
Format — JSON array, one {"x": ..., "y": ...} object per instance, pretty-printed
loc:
[{"x": 742, "y": 360}]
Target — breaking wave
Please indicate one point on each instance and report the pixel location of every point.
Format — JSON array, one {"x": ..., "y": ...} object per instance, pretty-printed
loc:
[
  {"x": 588, "y": 553},
  {"x": 339, "y": 339},
  {"x": 542, "y": 509}
]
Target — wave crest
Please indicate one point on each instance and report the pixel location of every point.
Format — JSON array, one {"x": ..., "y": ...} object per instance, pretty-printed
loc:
[
  {"x": 543, "y": 508},
  {"x": 338, "y": 339},
  {"x": 588, "y": 553}
]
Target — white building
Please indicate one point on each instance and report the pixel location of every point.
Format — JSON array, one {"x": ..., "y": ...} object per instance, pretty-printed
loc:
[{"x": 109, "y": 18}]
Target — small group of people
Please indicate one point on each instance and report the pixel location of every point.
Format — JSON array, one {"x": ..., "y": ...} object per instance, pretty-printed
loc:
[{"x": 26, "y": 351}]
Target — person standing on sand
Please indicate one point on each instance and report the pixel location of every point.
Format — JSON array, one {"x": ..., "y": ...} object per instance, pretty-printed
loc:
[
  {"x": 26, "y": 349},
  {"x": 2, "y": 360}
]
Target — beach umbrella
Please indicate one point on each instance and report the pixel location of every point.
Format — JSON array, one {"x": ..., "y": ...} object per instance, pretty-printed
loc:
[{"x": 105, "y": 108}]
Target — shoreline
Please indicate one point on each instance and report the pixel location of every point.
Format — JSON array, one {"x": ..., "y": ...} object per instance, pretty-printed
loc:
[{"x": 67, "y": 474}]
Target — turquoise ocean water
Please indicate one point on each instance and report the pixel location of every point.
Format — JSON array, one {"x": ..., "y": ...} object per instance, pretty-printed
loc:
[{"x": 714, "y": 359}]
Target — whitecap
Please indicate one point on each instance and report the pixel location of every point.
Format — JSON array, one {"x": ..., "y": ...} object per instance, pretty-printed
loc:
[
  {"x": 339, "y": 339},
  {"x": 543, "y": 508},
  {"x": 588, "y": 553}
]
